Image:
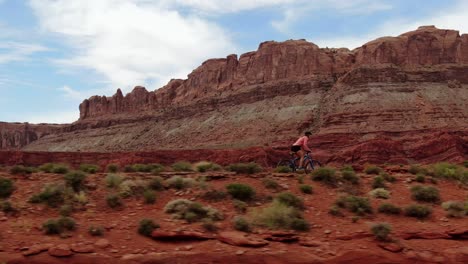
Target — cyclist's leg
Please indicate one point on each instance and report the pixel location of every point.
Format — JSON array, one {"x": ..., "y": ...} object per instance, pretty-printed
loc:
[{"x": 301, "y": 155}]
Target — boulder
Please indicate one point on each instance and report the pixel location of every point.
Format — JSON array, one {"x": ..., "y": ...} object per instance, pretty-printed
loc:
[{"x": 241, "y": 239}]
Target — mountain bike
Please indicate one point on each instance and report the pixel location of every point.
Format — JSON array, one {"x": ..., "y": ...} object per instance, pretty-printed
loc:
[{"x": 309, "y": 163}]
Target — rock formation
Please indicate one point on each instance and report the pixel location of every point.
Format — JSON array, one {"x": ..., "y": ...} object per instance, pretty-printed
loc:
[{"x": 398, "y": 99}]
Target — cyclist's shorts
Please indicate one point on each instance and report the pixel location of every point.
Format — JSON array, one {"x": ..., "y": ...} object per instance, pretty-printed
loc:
[{"x": 295, "y": 148}]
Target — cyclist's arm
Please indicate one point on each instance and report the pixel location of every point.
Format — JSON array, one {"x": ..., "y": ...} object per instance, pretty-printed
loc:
[{"x": 306, "y": 145}]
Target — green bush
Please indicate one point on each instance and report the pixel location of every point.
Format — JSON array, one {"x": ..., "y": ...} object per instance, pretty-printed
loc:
[
  {"x": 191, "y": 211},
  {"x": 66, "y": 210},
  {"x": 149, "y": 196},
  {"x": 415, "y": 169},
  {"x": 241, "y": 224},
  {"x": 378, "y": 182},
  {"x": 112, "y": 168},
  {"x": 281, "y": 216},
  {"x": 335, "y": 211},
  {"x": 372, "y": 169},
  {"x": 182, "y": 166},
  {"x": 381, "y": 231},
  {"x": 350, "y": 176},
  {"x": 454, "y": 209},
  {"x": 59, "y": 169},
  {"x": 420, "y": 178},
  {"x": 325, "y": 175},
  {"x": 355, "y": 204},
  {"x": 425, "y": 194},
  {"x": 113, "y": 180},
  {"x": 96, "y": 230},
  {"x": 418, "y": 211},
  {"x": 465, "y": 163},
  {"x": 144, "y": 168},
  {"x": 245, "y": 168},
  {"x": 240, "y": 191},
  {"x": 113, "y": 201},
  {"x": 391, "y": 209},
  {"x": 51, "y": 227},
  {"x": 387, "y": 177},
  {"x": 20, "y": 169},
  {"x": 6, "y": 187},
  {"x": 52, "y": 195},
  {"x": 307, "y": 189},
  {"x": 146, "y": 227},
  {"x": 290, "y": 199},
  {"x": 204, "y": 166},
  {"x": 156, "y": 183},
  {"x": 130, "y": 188},
  {"x": 447, "y": 170},
  {"x": 380, "y": 193},
  {"x": 283, "y": 169},
  {"x": 89, "y": 168},
  {"x": 47, "y": 167},
  {"x": 209, "y": 225},
  {"x": 271, "y": 184},
  {"x": 66, "y": 223},
  {"x": 75, "y": 179},
  {"x": 7, "y": 207},
  {"x": 240, "y": 206},
  {"x": 156, "y": 168},
  {"x": 180, "y": 183},
  {"x": 129, "y": 168},
  {"x": 214, "y": 195}
]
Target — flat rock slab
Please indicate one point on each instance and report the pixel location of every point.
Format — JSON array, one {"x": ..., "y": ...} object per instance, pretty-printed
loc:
[
  {"x": 180, "y": 235},
  {"x": 36, "y": 249},
  {"x": 82, "y": 248},
  {"x": 241, "y": 239},
  {"x": 425, "y": 235},
  {"x": 61, "y": 250},
  {"x": 284, "y": 237},
  {"x": 392, "y": 247}
]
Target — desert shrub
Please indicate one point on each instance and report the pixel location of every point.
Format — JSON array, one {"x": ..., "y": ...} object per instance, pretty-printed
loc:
[
  {"x": 290, "y": 199},
  {"x": 96, "y": 230},
  {"x": 387, "y": 177},
  {"x": 372, "y": 169},
  {"x": 20, "y": 169},
  {"x": 180, "y": 183},
  {"x": 129, "y": 168},
  {"x": 415, "y": 169},
  {"x": 300, "y": 179},
  {"x": 387, "y": 208},
  {"x": 240, "y": 206},
  {"x": 418, "y": 211},
  {"x": 149, "y": 196},
  {"x": 425, "y": 194},
  {"x": 66, "y": 210},
  {"x": 113, "y": 180},
  {"x": 355, "y": 204},
  {"x": 52, "y": 195},
  {"x": 204, "y": 166},
  {"x": 182, "y": 166},
  {"x": 350, "y": 176},
  {"x": 112, "y": 168},
  {"x": 146, "y": 227},
  {"x": 156, "y": 168},
  {"x": 75, "y": 179},
  {"x": 380, "y": 193},
  {"x": 7, "y": 207},
  {"x": 67, "y": 223},
  {"x": 454, "y": 209},
  {"x": 465, "y": 163},
  {"x": 325, "y": 175},
  {"x": 130, "y": 188},
  {"x": 240, "y": 191},
  {"x": 381, "y": 231},
  {"x": 420, "y": 178},
  {"x": 51, "y": 227},
  {"x": 281, "y": 216},
  {"x": 80, "y": 197},
  {"x": 113, "y": 201},
  {"x": 378, "y": 182},
  {"x": 241, "y": 224},
  {"x": 347, "y": 168},
  {"x": 191, "y": 211},
  {"x": 209, "y": 225},
  {"x": 156, "y": 183},
  {"x": 355, "y": 219},
  {"x": 47, "y": 167},
  {"x": 246, "y": 168},
  {"x": 335, "y": 211},
  {"x": 307, "y": 189},
  {"x": 59, "y": 169},
  {"x": 141, "y": 167},
  {"x": 271, "y": 184},
  {"x": 283, "y": 169},
  {"x": 6, "y": 187},
  {"x": 89, "y": 168},
  {"x": 214, "y": 195},
  {"x": 447, "y": 170}
]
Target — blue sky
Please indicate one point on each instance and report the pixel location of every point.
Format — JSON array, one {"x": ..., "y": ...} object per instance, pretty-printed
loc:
[{"x": 56, "y": 53}]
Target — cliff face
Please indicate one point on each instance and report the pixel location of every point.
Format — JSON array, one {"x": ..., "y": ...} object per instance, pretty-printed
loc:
[
  {"x": 393, "y": 93},
  {"x": 18, "y": 135}
]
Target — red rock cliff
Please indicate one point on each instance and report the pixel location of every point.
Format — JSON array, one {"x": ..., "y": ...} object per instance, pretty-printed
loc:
[{"x": 18, "y": 135}]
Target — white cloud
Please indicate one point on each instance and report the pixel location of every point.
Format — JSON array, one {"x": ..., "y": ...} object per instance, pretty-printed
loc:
[
  {"x": 70, "y": 93},
  {"x": 228, "y": 6},
  {"x": 17, "y": 51},
  {"x": 451, "y": 18},
  {"x": 132, "y": 42}
]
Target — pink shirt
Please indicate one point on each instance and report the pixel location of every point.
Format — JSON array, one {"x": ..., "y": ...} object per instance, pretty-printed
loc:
[{"x": 303, "y": 141}]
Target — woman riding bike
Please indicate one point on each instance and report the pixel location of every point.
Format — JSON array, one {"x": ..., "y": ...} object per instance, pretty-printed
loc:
[{"x": 300, "y": 148}]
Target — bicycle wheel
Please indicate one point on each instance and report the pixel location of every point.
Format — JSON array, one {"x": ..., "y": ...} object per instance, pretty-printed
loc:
[
  {"x": 286, "y": 163},
  {"x": 316, "y": 163},
  {"x": 309, "y": 166}
]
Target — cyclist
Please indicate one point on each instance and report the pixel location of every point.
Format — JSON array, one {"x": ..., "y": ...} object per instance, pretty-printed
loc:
[{"x": 300, "y": 148}]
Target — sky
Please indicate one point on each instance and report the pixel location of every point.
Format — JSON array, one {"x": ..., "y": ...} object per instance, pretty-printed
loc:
[{"x": 56, "y": 53}]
